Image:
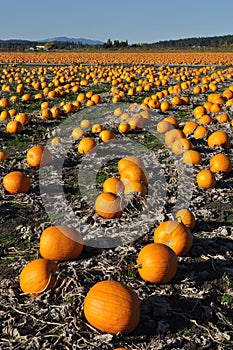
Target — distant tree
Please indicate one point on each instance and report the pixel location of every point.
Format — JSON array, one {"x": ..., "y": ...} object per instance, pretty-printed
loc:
[{"x": 108, "y": 44}]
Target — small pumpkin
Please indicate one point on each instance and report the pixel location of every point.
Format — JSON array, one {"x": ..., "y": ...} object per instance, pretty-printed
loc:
[
  {"x": 113, "y": 185},
  {"x": 86, "y": 145},
  {"x": 38, "y": 155},
  {"x": 172, "y": 135},
  {"x": 135, "y": 173},
  {"x": 126, "y": 161},
  {"x": 181, "y": 145},
  {"x": 107, "y": 135},
  {"x": 3, "y": 156},
  {"x": 16, "y": 182},
  {"x": 60, "y": 243},
  {"x": 205, "y": 179},
  {"x": 38, "y": 276},
  {"x": 134, "y": 187},
  {"x": 191, "y": 157},
  {"x": 174, "y": 234},
  {"x": 109, "y": 205},
  {"x": 112, "y": 307},
  {"x": 220, "y": 162},
  {"x": 14, "y": 127},
  {"x": 157, "y": 263},
  {"x": 186, "y": 217}
]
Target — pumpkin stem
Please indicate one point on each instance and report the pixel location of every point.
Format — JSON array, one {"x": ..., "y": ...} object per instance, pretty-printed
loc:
[{"x": 138, "y": 266}]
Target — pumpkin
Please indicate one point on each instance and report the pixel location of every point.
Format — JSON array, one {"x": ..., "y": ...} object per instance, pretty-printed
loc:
[
  {"x": 106, "y": 135},
  {"x": 109, "y": 205},
  {"x": 86, "y": 145},
  {"x": 205, "y": 179},
  {"x": 173, "y": 135},
  {"x": 16, "y": 182},
  {"x": 14, "y": 127},
  {"x": 60, "y": 243},
  {"x": 199, "y": 111},
  {"x": 165, "y": 106},
  {"x": 222, "y": 118},
  {"x": 205, "y": 119},
  {"x": 3, "y": 156},
  {"x": 191, "y": 157},
  {"x": 186, "y": 217},
  {"x": 96, "y": 128},
  {"x": 200, "y": 132},
  {"x": 174, "y": 234},
  {"x": 172, "y": 120},
  {"x": 134, "y": 172},
  {"x": 38, "y": 276},
  {"x": 189, "y": 127},
  {"x": 22, "y": 118},
  {"x": 112, "y": 307},
  {"x": 85, "y": 124},
  {"x": 134, "y": 187},
  {"x": 77, "y": 133},
  {"x": 220, "y": 162},
  {"x": 113, "y": 185},
  {"x": 157, "y": 263},
  {"x": 164, "y": 126},
  {"x": 126, "y": 161},
  {"x": 219, "y": 138},
  {"x": 38, "y": 156},
  {"x": 181, "y": 145},
  {"x": 124, "y": 127},
  {"x": 136, "y": 122}
]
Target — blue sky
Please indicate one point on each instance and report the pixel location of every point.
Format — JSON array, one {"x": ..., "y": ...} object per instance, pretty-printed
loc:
[{"x": 136, "y": 21}]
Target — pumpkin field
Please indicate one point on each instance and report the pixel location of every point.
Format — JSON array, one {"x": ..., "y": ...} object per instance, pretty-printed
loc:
[{"x": 116, "y": 200}]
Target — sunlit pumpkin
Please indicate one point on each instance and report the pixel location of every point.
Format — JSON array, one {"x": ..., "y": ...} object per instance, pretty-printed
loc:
[
  {"x": 157, "y": 263},
  {"x": 186, "y": 217},
  {"x": 38, "y": 155},
  {"x": 86, "y": 145},
  {"x": 219, "y": 138},
  {"x": 174, "y": 234},
  {"x": 191, "y": 157},
  {"x": 16, "y": 182},
  {"x": 220, "y": 162},
  {"x": 60, "y": 243},
  {"x": 108, "y": 205},
  {"x": 205, "y": 179},
  {"x": 38, "y": 276},
  {"x": 112, "y": 307}
]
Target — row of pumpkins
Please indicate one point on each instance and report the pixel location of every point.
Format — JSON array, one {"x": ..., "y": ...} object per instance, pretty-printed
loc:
[{"x": 156, "y": 262}]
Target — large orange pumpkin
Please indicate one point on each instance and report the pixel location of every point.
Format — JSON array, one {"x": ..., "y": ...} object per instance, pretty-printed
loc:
[
  {"x": 112, "y": 307},
  {"x": 174, "y": 234},
  {"x": 181, "y": 145},
  {"x": 38, "y": 276},
  {"x": 205, "y": 179},
  {"x": 219, "y": 138},
  {"x": 220, "y": 162},
  {"x": 134, "y": 172},
  {"x": 126, "y": 161},
  {"x": 16, "y": 182},
  {"x": 60, "y": 243},
  {"x": 109, "y": 205},
  {"x": 157, "y": 263},
  {"x": 38, "y": 156},
  {"x": 14, "y": 127}
]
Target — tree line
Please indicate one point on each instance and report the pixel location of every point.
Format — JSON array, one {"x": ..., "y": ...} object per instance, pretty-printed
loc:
[{"x": 224, "y": 42}]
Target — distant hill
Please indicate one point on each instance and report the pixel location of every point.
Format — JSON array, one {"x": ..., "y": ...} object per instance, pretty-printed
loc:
[{"x": 73, "y": 40}]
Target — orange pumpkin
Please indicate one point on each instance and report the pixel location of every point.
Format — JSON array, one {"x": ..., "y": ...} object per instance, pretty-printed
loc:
[
  {"x": 134, "y": 172},
  {"x": 219, "y": 138},
  {"x": 163, "y": 126},
  {"x": 126, "y": 161},
  {"x": 186, "y": 217},
  {"x": 181, "y": 145},
  {"x": 16, "y": 182},
  {"x": 134, "y": 187},
  {"x": 3, "y": 156},
  {"x": 173, "y": 135},
  {"x": 205, "y": 179},
  {"x": 14, "y": 127},
  {"x": 38, "y": 276},
  {"x": 77, "y": 133},
  {"x": 113, "y": 185},
  {"x": 86, "y": 145},
  {"x": 175, "y": 235},
  {"x": 109, "y": 205},
  {"x": 60, "y": 243},
  {"x": 220, "y": 162},
  {"x": 107, "y": 135},
  {"x": 191, "y": 157},
  {"x": 189, "y": 127},
  {"x": 157, "y": 263},
  {"x": 38, "y": 156},
  {"x": 112, "y": 307},
  {"x": 200, "y": 132}
]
